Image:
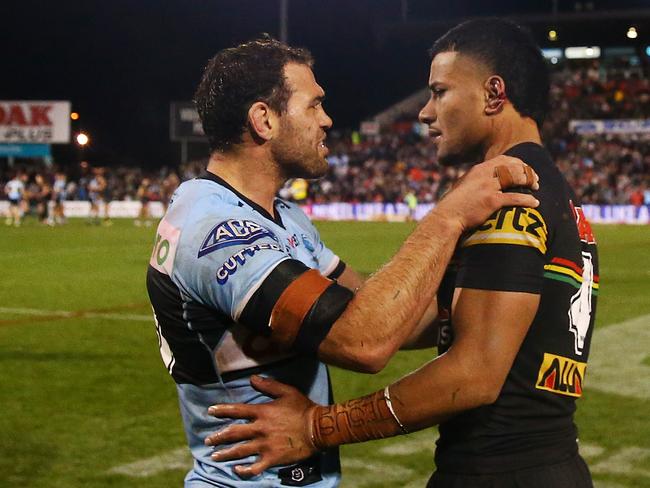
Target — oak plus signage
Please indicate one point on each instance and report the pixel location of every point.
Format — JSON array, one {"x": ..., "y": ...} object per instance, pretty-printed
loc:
[{"x": 34, "y": 122}]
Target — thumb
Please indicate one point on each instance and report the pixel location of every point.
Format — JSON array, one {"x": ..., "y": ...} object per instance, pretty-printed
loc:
[{"x": 270, "y": 387}]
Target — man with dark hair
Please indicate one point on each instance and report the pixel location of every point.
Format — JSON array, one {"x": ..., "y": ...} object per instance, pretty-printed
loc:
[
  {"x": 516, "y": 310},
  {"x": 240, "y": 281}
]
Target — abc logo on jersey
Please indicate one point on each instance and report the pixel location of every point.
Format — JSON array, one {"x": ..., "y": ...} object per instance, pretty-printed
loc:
[{"x": 233, "y": 232}]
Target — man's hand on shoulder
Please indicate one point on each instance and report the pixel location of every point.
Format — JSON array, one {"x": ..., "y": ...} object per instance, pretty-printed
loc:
[{"x": 479, "y": 193}]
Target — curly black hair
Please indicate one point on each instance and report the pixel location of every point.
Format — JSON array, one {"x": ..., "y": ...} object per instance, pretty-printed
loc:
[{"x": 237, "y": 77}]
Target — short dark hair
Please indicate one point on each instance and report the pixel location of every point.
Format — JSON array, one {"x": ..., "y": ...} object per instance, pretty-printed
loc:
[
  {"x": 237, "y": 77},
  {"x": 510, "y": 51}
]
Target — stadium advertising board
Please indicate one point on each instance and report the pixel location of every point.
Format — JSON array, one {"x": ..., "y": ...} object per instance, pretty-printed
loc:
[
  {"x": 610, "y": 126},
  {"x": 385, "y": 212},
  {"x": 184, "y": 123},
  {"x": 25, "y": 150},
  {"x": 34, "y": 122},
  {"x": 390, "y": 212}
]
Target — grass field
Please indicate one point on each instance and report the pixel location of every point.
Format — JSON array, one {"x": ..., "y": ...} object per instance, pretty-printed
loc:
[{"x": 86, "y": 402}]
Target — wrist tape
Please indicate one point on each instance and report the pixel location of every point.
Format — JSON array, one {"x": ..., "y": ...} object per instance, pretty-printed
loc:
[{"x": 358, "y": 420}]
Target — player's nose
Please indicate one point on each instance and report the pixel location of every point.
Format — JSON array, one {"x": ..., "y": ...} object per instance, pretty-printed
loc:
[{"x": 428, "y": 114}]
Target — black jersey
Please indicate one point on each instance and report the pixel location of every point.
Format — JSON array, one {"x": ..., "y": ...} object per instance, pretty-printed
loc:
[{"x": 550, "y": 251}]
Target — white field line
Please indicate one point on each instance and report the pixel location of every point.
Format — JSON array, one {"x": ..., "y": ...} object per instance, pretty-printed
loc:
[
  {"x": 631, "y": 338},
  {"x": 176, "y": 459},
  {"x": 616, "y": 360},
  {"x": 67, "y": 313}
]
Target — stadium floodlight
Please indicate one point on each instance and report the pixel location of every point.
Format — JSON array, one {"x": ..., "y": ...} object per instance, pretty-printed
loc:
[
  {"x": 632, "y": 33},
  {"x": 74, "y": 116},
  {"x": 552, "y": 35},
  {"x": 82, "y": 139},
  {"x": 582, "y": 52}
]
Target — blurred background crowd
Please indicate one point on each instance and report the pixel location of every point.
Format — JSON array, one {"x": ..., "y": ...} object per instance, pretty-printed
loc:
[{"x": 400, "y": 162}]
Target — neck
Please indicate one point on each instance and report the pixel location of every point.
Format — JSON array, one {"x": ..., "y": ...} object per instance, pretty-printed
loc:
[
  {"x": 250, "y": 172},
  {"x": 509, "y": 130}
]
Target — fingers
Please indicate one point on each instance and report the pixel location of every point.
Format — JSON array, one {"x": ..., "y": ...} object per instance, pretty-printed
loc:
[
  {"x": 516, "y": 200},
  {"x": 516, "y": 174},
  {"x": 235, "y": 452},
  {"x": 233, "y": 411},
  {"x": 271, "y": 387},
  {"x": 251, "y": 470},
  {"x": 531, "y": 177},
  {"x": 231, "y": 434}
]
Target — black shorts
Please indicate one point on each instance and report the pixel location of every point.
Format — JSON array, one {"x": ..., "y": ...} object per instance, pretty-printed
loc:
[
  {"x": 572, "y": 473},
  {"x": 14, "y": 202}
]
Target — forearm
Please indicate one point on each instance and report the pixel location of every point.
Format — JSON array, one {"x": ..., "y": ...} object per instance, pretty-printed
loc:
[
  {"x": 389, "y": 305},
  {"x": 426, "y": 397},
  {"x": 425, "y": 333}
]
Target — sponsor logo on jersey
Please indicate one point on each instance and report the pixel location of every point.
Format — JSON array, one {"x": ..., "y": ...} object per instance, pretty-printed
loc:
[
  {"x": 307, "y": 242},
  {"x": 232, "y": 233},
  {"x": 293, "y": 241},
  {"x": 517, "y": 226},
  {"x": 561, "y": 375},
  {"x": 234, "y": 262},
  {"x": 584, "y": 227}
]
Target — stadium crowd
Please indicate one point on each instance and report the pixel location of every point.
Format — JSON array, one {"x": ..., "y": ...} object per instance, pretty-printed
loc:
[{"x": 400, "y": 163}]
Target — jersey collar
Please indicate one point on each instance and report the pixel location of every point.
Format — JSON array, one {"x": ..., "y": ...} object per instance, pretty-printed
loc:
[{"x": 207, "y": 175}]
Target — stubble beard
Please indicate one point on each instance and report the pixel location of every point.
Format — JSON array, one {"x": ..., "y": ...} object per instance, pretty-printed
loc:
[{"x": 295, "y": 158}]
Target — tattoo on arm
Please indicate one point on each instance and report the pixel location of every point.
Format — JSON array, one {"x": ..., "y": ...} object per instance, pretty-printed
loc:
[{"x": 356, "y": 420}]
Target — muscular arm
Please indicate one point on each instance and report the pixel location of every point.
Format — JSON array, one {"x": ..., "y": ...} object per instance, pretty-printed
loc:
[
  {"x": 490, "y": 327},
  {"x": 424, "y": 334},
  {"x": 304, "y": 311},
  {"x": 390, "y": 304}
]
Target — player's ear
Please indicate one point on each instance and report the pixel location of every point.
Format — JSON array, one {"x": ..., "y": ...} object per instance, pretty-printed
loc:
[
  {"x": 261, "y": 121},
  {"x": 495, "y": 95}
]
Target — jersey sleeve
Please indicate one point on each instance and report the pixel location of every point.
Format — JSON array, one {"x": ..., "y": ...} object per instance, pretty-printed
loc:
[
  {"x": 329, "y": 264},
  {"x": 224, "y": 261},
  {"x": 506, "y": 253}
]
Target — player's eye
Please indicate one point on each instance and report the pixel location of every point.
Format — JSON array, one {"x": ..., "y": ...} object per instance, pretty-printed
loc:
[{"x": 438, "y": 92}]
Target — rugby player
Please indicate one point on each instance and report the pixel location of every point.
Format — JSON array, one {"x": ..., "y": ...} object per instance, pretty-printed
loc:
[
  {"x": 15, "y": 191},
  {"x": 517, "y": 308},
  {"x": 240, "y": 281}
]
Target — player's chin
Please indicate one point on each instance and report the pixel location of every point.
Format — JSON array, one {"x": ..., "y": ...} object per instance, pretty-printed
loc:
[
  {"x": 317, "y": 168},
  {"x": 450, "y": 157}
]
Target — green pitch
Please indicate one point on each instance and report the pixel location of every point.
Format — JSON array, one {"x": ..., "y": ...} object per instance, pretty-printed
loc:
[{"x": 86, "y": 402}]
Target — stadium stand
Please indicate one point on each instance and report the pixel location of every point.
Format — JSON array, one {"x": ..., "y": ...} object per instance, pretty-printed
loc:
[{"x": 603, "y": 169}]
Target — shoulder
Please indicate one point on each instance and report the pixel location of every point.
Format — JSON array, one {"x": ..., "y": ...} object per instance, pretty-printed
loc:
[{"x": 294, "y": 212}]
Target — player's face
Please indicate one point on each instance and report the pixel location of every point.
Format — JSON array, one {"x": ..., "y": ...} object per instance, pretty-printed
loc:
[
  {"x": 300, "y": 148},
  {"x": 455, "y": 112}
]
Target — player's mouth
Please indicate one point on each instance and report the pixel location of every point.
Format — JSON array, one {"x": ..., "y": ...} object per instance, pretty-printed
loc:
[
  {"x": 322, "y": 147},
  {"x": 435, "y": 134}
]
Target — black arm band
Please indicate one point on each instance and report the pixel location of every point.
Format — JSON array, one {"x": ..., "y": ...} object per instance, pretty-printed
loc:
[
  {"x": 322, "y": 315},
  {"x": 257, "y": 312},
  {"x": 338, "y": 271}
]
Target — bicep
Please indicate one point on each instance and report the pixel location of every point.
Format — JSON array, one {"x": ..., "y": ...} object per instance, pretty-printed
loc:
[
  {"x": 296, "y": 306},
  {"x": 490, "y": 327}
]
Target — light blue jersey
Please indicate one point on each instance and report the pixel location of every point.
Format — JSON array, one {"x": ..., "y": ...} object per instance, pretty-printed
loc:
[{"x": 214, "y": 249}]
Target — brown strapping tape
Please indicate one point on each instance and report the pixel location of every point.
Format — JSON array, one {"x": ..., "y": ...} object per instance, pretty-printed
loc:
[{"x": 294, "y": 304}]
